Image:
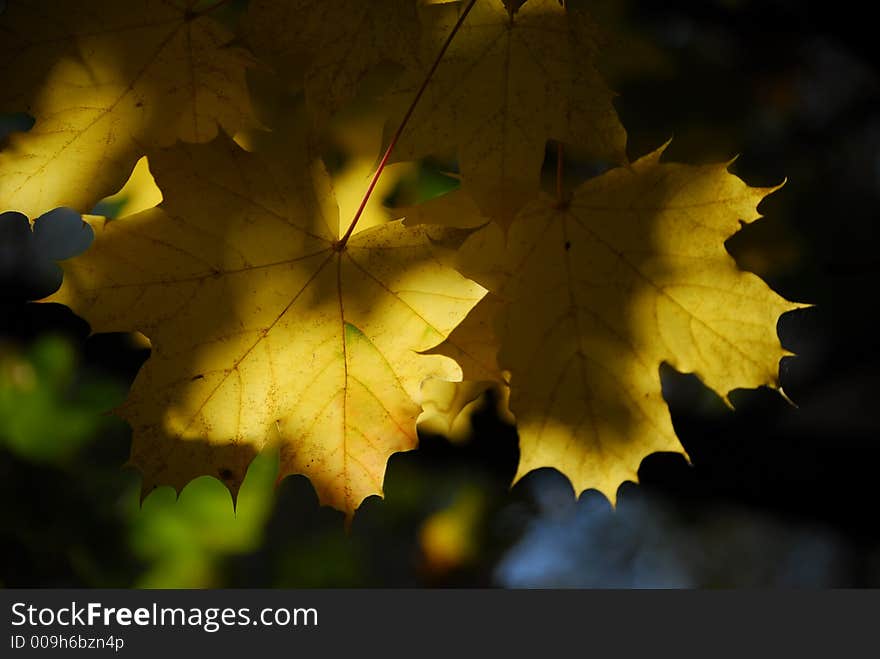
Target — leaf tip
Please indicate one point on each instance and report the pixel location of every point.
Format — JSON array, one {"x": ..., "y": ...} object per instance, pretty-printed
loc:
[
  {"x": 786, "y": 398},
  {"x": 729, "y": 163},
  {"x": 654, "y": 156}
]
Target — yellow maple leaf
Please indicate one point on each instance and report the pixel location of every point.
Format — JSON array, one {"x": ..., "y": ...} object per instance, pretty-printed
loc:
[
  {"x": 331, "y": 46},
  {"x": 508, "y": 82},
  {"x": 599, "y": 290},
  {"x": 472, "y": 344},
  {"x": 104, "y": 81},
  {"x": 263, "y": 330}
]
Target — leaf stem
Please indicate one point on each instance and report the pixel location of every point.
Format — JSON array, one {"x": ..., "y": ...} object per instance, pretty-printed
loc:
[{"x": 340, "y": 245}]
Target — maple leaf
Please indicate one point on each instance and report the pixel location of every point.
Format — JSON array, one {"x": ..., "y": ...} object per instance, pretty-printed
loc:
[
  {"x": 105, "y": 80},
  {"x": 599, "y": 290},
  {"x": 331, "y": 46},
  {"x": 263, "y": 329},
  {"x": 474, "y": 346},
  {"x": 509, "y": 82}
]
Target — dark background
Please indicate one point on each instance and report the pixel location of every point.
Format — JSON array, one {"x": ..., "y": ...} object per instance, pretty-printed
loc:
[{"x": 776, "y": 495}]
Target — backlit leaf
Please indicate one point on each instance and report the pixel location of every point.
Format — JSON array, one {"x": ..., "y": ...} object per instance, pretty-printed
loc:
[
  {"x": 104, "y": 81},
  {"x": 600, "y": 290},
  {"x": 262, "y": 332}
]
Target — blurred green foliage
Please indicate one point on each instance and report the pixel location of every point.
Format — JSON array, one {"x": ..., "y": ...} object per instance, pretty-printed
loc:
[
  {"x": 183, "y": 539},
  {"x": 48, "y": 409},
  {"x": 55, "y": 420},
  {"x": 52, "y": 408}
]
